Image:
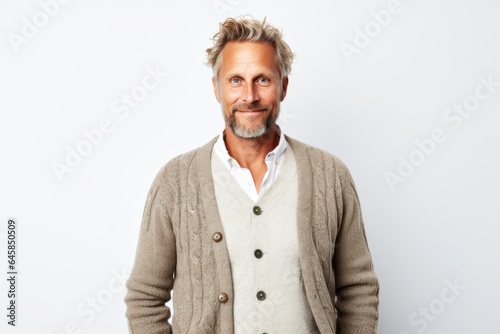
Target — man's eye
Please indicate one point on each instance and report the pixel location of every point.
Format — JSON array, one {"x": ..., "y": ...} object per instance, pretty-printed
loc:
[
  {"x": 235, "y": 80},
  {"x": 264, "y": 80}
]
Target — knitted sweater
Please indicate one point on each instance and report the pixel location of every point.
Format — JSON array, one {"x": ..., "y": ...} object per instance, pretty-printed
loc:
[
  {"x": 182, "y": 248},
  {"x": 264, "y": 252}
]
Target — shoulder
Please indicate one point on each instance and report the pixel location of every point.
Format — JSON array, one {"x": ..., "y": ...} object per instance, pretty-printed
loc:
[
  {"x": 314, "y": 155},
  {"x": 321, "y": 164}
]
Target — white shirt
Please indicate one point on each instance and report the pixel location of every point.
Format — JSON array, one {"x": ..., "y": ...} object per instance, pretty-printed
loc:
[{"x": 243, "y": 176}]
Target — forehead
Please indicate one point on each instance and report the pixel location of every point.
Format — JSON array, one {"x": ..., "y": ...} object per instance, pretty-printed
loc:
[{"x": 245, "y": 56}]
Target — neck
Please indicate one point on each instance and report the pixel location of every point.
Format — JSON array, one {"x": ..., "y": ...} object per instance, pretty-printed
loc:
[{"x": 249, "y": 152}]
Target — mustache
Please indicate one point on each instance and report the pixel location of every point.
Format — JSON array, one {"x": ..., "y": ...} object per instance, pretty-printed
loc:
[{"x": 249, "y": 106}]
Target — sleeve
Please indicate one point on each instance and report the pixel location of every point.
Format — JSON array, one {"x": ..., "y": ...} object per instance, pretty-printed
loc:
[
  {"x": 356, "y": 283},
  {"x": 151, "y": 280}
]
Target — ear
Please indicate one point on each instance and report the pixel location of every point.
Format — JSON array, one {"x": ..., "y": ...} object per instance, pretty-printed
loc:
[
  {"x": 284, "y": 88},
  {"x": 216, "y": 89}
]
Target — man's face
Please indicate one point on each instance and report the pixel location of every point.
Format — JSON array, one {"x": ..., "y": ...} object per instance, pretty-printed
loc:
[{"x": 249, "y": 88}]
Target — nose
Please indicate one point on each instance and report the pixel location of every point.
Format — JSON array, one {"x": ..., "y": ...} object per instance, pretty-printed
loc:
[{"x": 250, "y": 94}]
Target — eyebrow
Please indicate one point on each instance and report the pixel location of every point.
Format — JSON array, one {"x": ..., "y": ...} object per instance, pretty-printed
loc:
[{"x": 260, "y": 75}]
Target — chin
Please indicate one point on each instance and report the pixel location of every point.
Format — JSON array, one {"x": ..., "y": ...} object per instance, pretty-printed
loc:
[{"x": 250, "y": 134}]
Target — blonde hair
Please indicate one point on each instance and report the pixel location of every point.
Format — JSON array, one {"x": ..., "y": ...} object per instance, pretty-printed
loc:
[{"x": 247, "y": 29}]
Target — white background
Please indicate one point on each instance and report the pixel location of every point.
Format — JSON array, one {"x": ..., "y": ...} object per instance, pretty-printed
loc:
[{"x": 438, "y": 227}]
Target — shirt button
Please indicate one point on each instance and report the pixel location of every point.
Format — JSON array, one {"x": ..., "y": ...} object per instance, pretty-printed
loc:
[
  {"x": 217, "y": 236},
  {"x": 258, "y": 253},
  {"x": 223, "y": 297},
  {"x": 261, "y": 295},
  {"x": 257, "y": 210}
]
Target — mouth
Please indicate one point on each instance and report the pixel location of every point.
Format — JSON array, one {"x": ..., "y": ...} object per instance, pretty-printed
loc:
[{"x": 250, "y": 110}]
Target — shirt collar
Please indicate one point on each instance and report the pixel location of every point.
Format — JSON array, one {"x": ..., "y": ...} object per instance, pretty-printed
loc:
[{"x": 221, "y": 150}]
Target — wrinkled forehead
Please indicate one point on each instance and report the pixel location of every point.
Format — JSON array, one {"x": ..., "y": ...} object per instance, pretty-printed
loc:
[{"x": 248, "y": 57}]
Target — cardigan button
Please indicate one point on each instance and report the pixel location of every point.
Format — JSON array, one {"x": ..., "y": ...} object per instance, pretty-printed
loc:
[
  {"x": 261, "y": 295},
  {"x": 217, "y": 236},
  {"x": 223, "y": 297},
  {"x": 257, "y": 210},
  {"x": 258, "y": 253}
]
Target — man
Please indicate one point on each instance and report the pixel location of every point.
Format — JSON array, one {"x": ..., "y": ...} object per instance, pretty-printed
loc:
[{"x": 254, "y": 232}]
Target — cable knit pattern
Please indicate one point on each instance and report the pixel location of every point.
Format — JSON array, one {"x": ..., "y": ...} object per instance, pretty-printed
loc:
[{"x": 176, "y": 250}]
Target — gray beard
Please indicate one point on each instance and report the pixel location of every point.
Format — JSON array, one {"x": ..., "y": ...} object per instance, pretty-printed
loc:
[{"x": 241, "y": 132}]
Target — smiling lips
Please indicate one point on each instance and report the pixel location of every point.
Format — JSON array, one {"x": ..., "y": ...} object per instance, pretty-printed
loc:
[
  {"x": 249, "y": 108},
  {"x": 251, "y": 111}
]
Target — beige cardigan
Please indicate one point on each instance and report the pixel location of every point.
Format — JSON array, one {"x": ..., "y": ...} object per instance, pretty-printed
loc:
[{"x": 182, "y": 249}]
